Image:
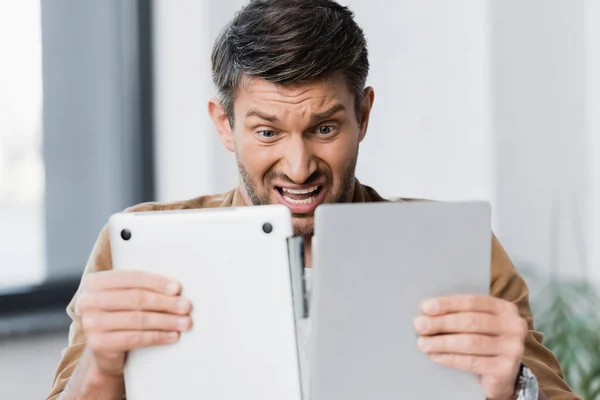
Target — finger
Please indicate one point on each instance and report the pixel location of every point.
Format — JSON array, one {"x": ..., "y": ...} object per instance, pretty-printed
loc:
[
  {"x": 468, "y": 344},
  {"x": 465, "y": 303},
  {"x": 135, "y": 320},
  {"x": 133, "y": 300},
  {"x": 111, "y": 280},
  {"x": 481, "y": 365},
  {"x": 129, "y": 340},
  {"x": 467, "y": 322}
]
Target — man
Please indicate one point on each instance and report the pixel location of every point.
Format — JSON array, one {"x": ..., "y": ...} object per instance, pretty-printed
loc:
[{"x": 293, "y": 107}]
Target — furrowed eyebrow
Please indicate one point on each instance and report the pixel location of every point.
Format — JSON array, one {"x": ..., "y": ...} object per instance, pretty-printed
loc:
[
  {"x": 266, "y": 117},
  {"x": 315, "y": 116},
  {"x": 328, "y": 113}
]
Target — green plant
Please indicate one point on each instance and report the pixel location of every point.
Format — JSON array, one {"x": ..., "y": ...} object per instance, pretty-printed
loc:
[
  {"x": 568, "y": 314},
  {"x": 567, "y": 311}
]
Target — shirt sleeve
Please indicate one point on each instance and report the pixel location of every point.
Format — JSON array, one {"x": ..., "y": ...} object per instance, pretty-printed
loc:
[
  {"x": 100, "y": 260},
  {"x": 508, "y": 284}
]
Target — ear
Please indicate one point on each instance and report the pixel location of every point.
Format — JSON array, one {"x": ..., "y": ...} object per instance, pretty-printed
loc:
[
  {"x": 219, "y": 118},
  {"x": 365, "y": 110}
]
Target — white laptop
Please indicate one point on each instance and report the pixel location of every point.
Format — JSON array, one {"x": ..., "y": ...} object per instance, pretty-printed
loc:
[
  {"x": 374, "y": 264},
  {"x": 233, "y": 264}
]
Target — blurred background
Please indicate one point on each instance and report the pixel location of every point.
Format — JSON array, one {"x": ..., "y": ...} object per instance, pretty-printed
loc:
[{"x": 103, "y": 105}]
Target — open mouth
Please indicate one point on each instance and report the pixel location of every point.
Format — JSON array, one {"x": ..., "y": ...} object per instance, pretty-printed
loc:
[{"x": 300, "y": 196}]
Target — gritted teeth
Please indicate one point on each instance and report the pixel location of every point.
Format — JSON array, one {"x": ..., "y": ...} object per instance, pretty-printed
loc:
[
  {"x": 300, "y": 191},
  {"x": 304, "y": 201}
]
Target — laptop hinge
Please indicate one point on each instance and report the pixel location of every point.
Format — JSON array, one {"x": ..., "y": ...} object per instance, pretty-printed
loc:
[{"x": 296, "y": 258}]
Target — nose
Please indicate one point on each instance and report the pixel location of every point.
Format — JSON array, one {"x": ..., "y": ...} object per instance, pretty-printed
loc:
[{"x": 299, "y": 160}]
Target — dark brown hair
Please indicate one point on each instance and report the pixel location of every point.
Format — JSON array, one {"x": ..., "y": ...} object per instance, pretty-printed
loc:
[{"x": 290, "y": 41}]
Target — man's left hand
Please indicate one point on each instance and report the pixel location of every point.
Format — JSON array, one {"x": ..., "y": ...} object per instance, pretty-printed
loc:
[{"x": 479, "y": 334}]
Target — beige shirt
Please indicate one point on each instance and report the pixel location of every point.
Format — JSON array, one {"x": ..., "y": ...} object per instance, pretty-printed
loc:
[{"x": 506, "y": 283}]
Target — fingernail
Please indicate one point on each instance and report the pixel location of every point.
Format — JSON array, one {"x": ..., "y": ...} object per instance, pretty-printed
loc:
[
  {"x": 182, "y": 323},
  {"x": 173, "y": 287},
  {"x": 421, "y": 324},
  {"x": 422, "y": 344},
  {"x": 429, "y": 307},
  {"x": 183, "y": 304},
  {"x": 172, "y": 336}
]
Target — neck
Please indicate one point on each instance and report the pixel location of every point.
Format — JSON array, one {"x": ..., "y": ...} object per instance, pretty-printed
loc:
[{"x": 307, "y": 252}]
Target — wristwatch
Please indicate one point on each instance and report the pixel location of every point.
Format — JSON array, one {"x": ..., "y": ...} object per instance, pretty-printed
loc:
[{"x": 527, "y": 385}]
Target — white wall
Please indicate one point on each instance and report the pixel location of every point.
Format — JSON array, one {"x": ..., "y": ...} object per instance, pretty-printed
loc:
[
  {"x": 541, "y": 138},
  {"x": 190, "y": 161},
  {"x": 430, "y": 132},
  {"x": 593, "y": 132},
  {"x": 494, "y": 100},
  {"x": 183, "y": 150}
]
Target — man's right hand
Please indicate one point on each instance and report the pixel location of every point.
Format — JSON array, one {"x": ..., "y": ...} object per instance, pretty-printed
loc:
[{"x": 125, "y": 310}]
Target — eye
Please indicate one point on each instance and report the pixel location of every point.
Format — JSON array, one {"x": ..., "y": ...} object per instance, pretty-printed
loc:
[
  {"x": 325, "y": 130},
  {"x": 267, "y": 134}
]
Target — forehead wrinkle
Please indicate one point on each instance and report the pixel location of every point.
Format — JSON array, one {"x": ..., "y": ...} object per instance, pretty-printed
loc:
[
  {"x": 303, "y": 103},
  {"x": 305, "y": 108},
  {"x": 294, "y": 99},
  {"x": 301, "y": 100},
  {"x": 291, "y": 91},
  {"x": 279, "y": 88}
]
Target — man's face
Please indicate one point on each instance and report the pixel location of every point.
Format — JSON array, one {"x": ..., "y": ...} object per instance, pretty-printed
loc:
[{"x": 296, "y": 145}]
